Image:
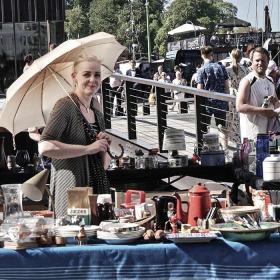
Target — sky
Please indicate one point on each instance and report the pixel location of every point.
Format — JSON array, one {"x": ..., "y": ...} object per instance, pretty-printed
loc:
[{"x": 247, "y": 11}]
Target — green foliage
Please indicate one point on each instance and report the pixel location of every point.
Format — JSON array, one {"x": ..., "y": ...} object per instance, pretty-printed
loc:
[
  {"x": 75, "y": 20},
  {"x": 84, "y": 17},
  {"x": 201, "y": 12}
]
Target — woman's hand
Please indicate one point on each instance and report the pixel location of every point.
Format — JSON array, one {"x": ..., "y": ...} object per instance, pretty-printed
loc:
[
  {"x": 104, "y": 135},
  {"x": 100, "y": 145}
]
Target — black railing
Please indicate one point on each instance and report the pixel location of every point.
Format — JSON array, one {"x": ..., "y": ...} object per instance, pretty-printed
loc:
[{"x": 157, "y": 115}]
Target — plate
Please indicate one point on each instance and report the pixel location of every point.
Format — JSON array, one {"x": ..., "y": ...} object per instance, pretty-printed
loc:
[
  {"x": 196, "y": 237},
  {"x": 120, "y": 235},
  {"x": 234, "y": 232}
]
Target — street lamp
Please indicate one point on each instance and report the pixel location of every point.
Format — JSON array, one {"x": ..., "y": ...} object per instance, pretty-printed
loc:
[
  {"x": 148, "y": 30},
  {"x": 194, "y": 28}
]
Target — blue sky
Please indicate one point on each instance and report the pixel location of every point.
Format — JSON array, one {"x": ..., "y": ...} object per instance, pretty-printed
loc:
[{"x": 247, "y": 11}]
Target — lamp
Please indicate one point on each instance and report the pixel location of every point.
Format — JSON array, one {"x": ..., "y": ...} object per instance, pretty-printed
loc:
[
  {"x": 173, "y": 141},
  {"x": 35, "y": 187}
]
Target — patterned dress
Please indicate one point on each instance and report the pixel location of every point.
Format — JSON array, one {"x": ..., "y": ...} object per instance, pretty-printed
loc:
[
  {"x": 233, "y": 126},
  {"x": 67, "y": 125}
]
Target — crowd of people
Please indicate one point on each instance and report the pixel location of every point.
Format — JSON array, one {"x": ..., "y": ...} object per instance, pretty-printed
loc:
[{"x": 260, "y": 78}]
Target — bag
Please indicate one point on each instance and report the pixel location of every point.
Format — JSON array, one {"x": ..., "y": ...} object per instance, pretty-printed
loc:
[{"x": 152, "y": 98}]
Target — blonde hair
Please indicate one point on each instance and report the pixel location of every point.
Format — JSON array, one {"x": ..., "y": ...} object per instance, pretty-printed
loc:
[
  {"x": 85, "y": 59},
  {"x": 236, "y": 56}
]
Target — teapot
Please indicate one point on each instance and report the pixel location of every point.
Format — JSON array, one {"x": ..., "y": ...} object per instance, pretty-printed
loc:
[
  {"x": 199, "y": 205},
  {"x": 162, "y": 205}
]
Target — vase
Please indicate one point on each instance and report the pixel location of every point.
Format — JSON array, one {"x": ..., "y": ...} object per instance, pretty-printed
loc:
[{"x": 12, "y": 202}]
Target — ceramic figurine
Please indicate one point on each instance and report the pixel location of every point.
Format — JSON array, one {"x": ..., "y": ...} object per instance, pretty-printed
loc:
[{"x": 81, "y": 237}]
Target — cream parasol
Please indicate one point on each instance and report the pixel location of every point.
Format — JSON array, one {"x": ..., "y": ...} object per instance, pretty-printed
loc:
[{"x": 31, "y": 97}]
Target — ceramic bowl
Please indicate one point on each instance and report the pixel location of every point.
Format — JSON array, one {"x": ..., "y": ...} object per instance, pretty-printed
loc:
[
  {"x": 229, "y": 213},
  {"x": 232, "y": 232}
]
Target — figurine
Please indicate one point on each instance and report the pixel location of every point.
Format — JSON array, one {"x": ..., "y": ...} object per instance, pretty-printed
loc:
[
  {"x": 174, "y": 223},
  {"x": 81, "y": 237}
]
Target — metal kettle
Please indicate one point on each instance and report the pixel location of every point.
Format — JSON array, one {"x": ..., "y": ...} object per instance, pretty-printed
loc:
[{"x": 199, "y": 203}]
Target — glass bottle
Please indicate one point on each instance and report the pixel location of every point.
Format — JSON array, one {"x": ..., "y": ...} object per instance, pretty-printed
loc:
[
  {"x": 262, "y": 151},
  {"x": 252, "y": 157},
  {"x": 3, "y": 162},
  {"x": 152, "y": 160},
  {"x": 139, "y": 160}
]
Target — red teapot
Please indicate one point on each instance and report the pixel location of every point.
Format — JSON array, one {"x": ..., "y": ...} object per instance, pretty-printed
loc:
[{"x": 199, "y": 205}]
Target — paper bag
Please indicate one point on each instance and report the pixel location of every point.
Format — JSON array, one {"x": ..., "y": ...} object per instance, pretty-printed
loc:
[{"x": 78, "y": 205}]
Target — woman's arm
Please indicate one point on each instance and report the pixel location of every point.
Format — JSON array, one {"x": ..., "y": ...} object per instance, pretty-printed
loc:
[{"x": 59, "y": 150}]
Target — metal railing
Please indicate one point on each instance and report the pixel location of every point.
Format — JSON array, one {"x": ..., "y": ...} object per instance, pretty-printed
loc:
[{"x": 139, "y": 118}]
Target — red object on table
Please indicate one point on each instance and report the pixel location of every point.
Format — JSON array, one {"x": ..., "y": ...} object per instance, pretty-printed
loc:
[{"x": 128, "y": 198}]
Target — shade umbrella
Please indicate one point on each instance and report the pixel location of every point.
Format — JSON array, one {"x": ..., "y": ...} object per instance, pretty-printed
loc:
[{"x": 30, "y": 99}]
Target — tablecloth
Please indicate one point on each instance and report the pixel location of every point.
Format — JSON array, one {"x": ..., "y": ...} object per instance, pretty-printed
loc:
[{"x": 218, "y": 259}]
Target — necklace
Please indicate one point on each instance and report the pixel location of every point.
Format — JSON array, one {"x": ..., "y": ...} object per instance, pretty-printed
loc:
[{"x": 87, "y": 108}]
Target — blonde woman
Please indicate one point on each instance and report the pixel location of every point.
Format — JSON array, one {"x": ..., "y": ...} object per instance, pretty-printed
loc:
[
  {"x": 236, "y": 72},
  {"x": 74, "y": 137}
]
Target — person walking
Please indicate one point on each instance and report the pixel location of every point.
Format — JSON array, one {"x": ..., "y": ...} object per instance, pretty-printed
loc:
[{"x": 212, "y": 76}]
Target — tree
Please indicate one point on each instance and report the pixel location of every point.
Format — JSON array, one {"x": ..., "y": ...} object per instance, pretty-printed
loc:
[
  {"x": 103, "y": 16},
  {"x": 75, "y": 19},
  {"x": 201, "y": 12}
]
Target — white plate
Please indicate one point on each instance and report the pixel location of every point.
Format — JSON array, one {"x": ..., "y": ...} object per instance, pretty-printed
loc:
[
  {"x": 195, "y": 237},
  {"x": 120, "y": 235}
]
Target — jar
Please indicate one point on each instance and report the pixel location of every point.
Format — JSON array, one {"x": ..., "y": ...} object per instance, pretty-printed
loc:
[
  {"x": 262, "y": 151},
  {"x": 271, "y": 168},
  {"x": 152, "y": 161},
  {"x": 139, "y": 160}
]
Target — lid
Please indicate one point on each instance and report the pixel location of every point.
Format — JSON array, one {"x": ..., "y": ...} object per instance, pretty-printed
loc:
[
  {"x": 272, "y": 158},
  {"x": 210, "y": 135},
  {"x": 104, "y": 198},
  {"x": 139, "y": 152},
  {"x": 199, "y": 188}
]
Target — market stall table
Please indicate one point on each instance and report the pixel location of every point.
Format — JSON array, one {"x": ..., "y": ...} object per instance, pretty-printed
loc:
[{"x": 218, "y": 259}]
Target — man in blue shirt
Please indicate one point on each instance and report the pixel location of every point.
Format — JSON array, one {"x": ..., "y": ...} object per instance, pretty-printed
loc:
[{"x": 212, "y": 76}]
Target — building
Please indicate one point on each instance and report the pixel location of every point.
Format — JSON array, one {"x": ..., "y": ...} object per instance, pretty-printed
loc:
[{"x": 27, "y": 26}]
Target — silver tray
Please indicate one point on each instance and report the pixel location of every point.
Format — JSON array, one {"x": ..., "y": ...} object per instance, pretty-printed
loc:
[{"x": 234, "y": 232}]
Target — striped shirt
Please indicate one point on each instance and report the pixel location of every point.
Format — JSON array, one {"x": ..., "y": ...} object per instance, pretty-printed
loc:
[{"x": 66, "y": 124}]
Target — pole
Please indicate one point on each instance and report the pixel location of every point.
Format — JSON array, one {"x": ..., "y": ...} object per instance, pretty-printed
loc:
[
  {"x": 14, "y": 37},
  {"x": 148, "y": 30}
]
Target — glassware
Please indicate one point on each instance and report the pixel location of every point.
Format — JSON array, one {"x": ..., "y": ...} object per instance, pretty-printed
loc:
[
  {"x": 139, "y": 160},
  {"x": 3, "y": 163},
  {"x": 262, "y": 151},
  {"x": 252, "y": 157},
  {"x": 22, "y": 159},
  {"x": 12, "y": 201}
]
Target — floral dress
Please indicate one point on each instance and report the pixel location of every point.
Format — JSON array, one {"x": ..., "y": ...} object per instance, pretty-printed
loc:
[{"x": 233, "y": 127}]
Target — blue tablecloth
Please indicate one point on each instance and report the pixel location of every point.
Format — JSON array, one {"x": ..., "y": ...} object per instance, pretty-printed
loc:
[{"x": 218, "y": 259}]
